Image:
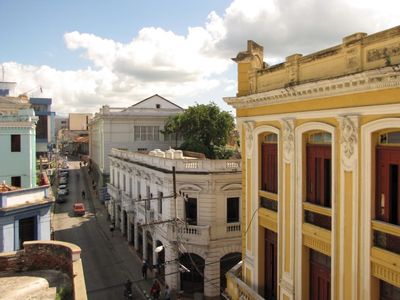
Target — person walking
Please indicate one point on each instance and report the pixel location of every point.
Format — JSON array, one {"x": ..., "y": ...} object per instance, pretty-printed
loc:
[
  {"x": 167, "y": 293},
  {"x": 144, "y": 269}
]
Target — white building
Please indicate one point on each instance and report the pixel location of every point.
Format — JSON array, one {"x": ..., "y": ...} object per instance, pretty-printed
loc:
[
  {"x": 134, "y": 128},
  {"x": 198, "y": 230}
]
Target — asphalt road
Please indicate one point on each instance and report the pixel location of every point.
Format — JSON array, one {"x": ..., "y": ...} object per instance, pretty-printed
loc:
[{"x": 107, "y": 260}]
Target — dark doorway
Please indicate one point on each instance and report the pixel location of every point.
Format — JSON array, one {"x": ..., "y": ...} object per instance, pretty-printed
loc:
[
  {"x": 132, "y": 233},
  {"x": 226, "y": 263},
  {"x": 388, "y": 291},
  {"x": 161, "y": 262},
  {"x": 192, "y": 282},
  {"x": 271, "y": 242},
  {"x": 27, "y": 230},
  {"x": 140, "y": 241},
  {"x": 149, "y": 241},
  {"x": 125, "y": 229}
]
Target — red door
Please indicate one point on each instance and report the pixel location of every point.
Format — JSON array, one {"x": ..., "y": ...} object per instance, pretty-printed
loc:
[
  {"x": 320, "y": 276},
  {"x": 387, "y": 204},
  {"x": 319, "y": 174},
  {"x": 269, "y": 167},
  {"x": 270, "y": 265}
]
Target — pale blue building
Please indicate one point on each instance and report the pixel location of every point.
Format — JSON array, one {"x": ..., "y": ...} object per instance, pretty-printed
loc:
[
  {"x": 17, "y": 142},
  {"x": 24, "y": 216}
]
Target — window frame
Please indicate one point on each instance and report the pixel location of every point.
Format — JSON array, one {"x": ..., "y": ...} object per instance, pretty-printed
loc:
[{"x": 15, "y": 143}]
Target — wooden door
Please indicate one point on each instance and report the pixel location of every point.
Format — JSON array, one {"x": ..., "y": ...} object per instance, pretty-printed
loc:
[
  {"x": 269, "y": 167},
  {"x": 320, "y": 282},
  {"x": 271, "y": 265},
  {"x": 318, "y": 185}
]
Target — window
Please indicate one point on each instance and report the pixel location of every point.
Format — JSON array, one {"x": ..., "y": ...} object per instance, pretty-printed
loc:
[
  {"x": 124, "y": 182},
  {"x": 158, "y": 105},
  {"x": 41, "y": 128},
  {"x": 318, "y": 189},
  {"x": 15, "y": 143},
  {"x": 130, "y": 187},
  {"x": 232, "y": 209},
  {"x": 147, "y": 133},
  {"x": 191, "y": 211},
  {"x": 16, "y": 181}
]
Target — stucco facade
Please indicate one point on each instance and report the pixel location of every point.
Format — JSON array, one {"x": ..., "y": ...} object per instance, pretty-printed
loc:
[
  {"x": 201, "y": 224},
  {"x": 17, "y": 121},
  {"x": 320, "y": 168},
  {"x": 24, "y": 216},
  {"x": 133, "y": 128}
]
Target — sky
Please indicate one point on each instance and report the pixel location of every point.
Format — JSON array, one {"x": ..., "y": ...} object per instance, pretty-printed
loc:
[{"x": 88, "y": 53}]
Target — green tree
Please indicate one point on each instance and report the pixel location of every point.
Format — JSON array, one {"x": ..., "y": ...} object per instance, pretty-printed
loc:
[{"x": 204, "y": 128}]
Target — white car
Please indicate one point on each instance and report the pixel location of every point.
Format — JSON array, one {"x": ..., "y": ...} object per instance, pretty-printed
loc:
[{"x": 62, "y": 192}]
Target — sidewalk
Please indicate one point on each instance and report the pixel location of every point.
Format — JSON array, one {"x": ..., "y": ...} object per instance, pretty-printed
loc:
[{"x": 118, "y": 241}]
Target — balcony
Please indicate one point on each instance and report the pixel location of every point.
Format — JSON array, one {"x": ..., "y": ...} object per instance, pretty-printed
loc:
[
  {"x": 229, "y": 230},
  {"x": 186, "y": 164},
  {"x": 237, "y": 288},
  {"x": 386, "y": 236},
  {"x": 192, "y": 234},
  {"x": 113, "y": 191},
  {"x": 317, "y": 215}
]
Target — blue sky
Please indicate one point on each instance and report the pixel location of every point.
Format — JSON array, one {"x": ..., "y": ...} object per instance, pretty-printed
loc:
[{"x": 85, "y": 54}]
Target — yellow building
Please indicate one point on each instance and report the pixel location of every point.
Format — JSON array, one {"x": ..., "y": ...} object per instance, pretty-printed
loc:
[{"x": 320, "y": 139}]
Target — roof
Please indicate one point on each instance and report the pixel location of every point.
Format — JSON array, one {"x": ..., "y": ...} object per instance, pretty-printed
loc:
[
  {"x": 155, "y": 95},
  {"x": 6, "y": 188}
]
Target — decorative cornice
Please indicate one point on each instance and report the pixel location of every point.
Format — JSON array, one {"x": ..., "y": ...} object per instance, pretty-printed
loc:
[
  {"x": 249, "y": 127},
  {"x": 348, "y": 140},
  {"x": 377, "y": 79},
  {"x": 288, "y": 139}
]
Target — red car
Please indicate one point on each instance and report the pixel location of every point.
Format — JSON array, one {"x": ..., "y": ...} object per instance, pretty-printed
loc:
[{"x": 79, "y": 209}]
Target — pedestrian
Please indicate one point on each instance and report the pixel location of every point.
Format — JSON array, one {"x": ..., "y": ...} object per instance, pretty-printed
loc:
[
  {"x": 167, "y": 293},
  {"x": 144, "y": 269},
  {"x": 155, "y": 290},
  {"x": 83, "y": 194}
]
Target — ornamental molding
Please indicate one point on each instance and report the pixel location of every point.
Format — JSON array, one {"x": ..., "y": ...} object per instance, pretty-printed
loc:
[
  {"x": 378, "y": 79},
  {"x": 249, "y": 128},
  {"x": 288, "y": 140},
  {"x": 348, "y": 140}
]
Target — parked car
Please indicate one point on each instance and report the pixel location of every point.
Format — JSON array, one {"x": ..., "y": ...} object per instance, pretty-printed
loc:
[
  {"x": 63, "y": 180},
  {"x": 61, "y": 199},
  {"x": 79, "y": 209},
  {"x": 62, "y": 190}
]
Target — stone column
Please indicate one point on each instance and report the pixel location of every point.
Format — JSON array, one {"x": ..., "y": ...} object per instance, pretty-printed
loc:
[
  {"x": 211, "y": 272},
  {"x": 173, "y": 280}
]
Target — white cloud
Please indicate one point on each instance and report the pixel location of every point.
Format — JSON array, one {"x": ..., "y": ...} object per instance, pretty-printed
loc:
[{"x": 188, "y": 67}]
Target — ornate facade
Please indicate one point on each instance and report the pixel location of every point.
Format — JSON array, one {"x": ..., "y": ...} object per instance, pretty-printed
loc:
[
  {"x": 198, "y": 230},
  {"x": 321, "y": 169}
]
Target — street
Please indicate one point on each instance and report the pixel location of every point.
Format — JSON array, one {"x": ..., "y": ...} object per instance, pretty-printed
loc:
[{"x": 107, "y": 260}]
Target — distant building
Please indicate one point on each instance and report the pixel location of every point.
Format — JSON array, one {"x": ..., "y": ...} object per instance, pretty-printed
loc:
[
  {"x": 320, "y": 138},
  {"x": 45, "y": 128},
  {"x": 199, "y": 231},
  {"x": 78, "y": 121},
  {"x": 17, "y": 142},
  {"x": 133, "y": 128},
  {"x": 60, "y": 123}
]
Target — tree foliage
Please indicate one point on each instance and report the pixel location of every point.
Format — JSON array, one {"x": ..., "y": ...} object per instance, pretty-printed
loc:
[{"x": 204, "y": 128}]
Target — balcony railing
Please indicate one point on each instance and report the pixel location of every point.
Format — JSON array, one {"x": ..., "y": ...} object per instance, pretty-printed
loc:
[
  {"x": 113, "y": 191},
  {"x": 187, "y": 165},
  {"x": 386, "y": 236},
  {"x": 228, "y": 230},
  {"x": 193, "y": 234},
  {"x": 318, "y": 215},
  {"x": 237, "y": 288}
]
